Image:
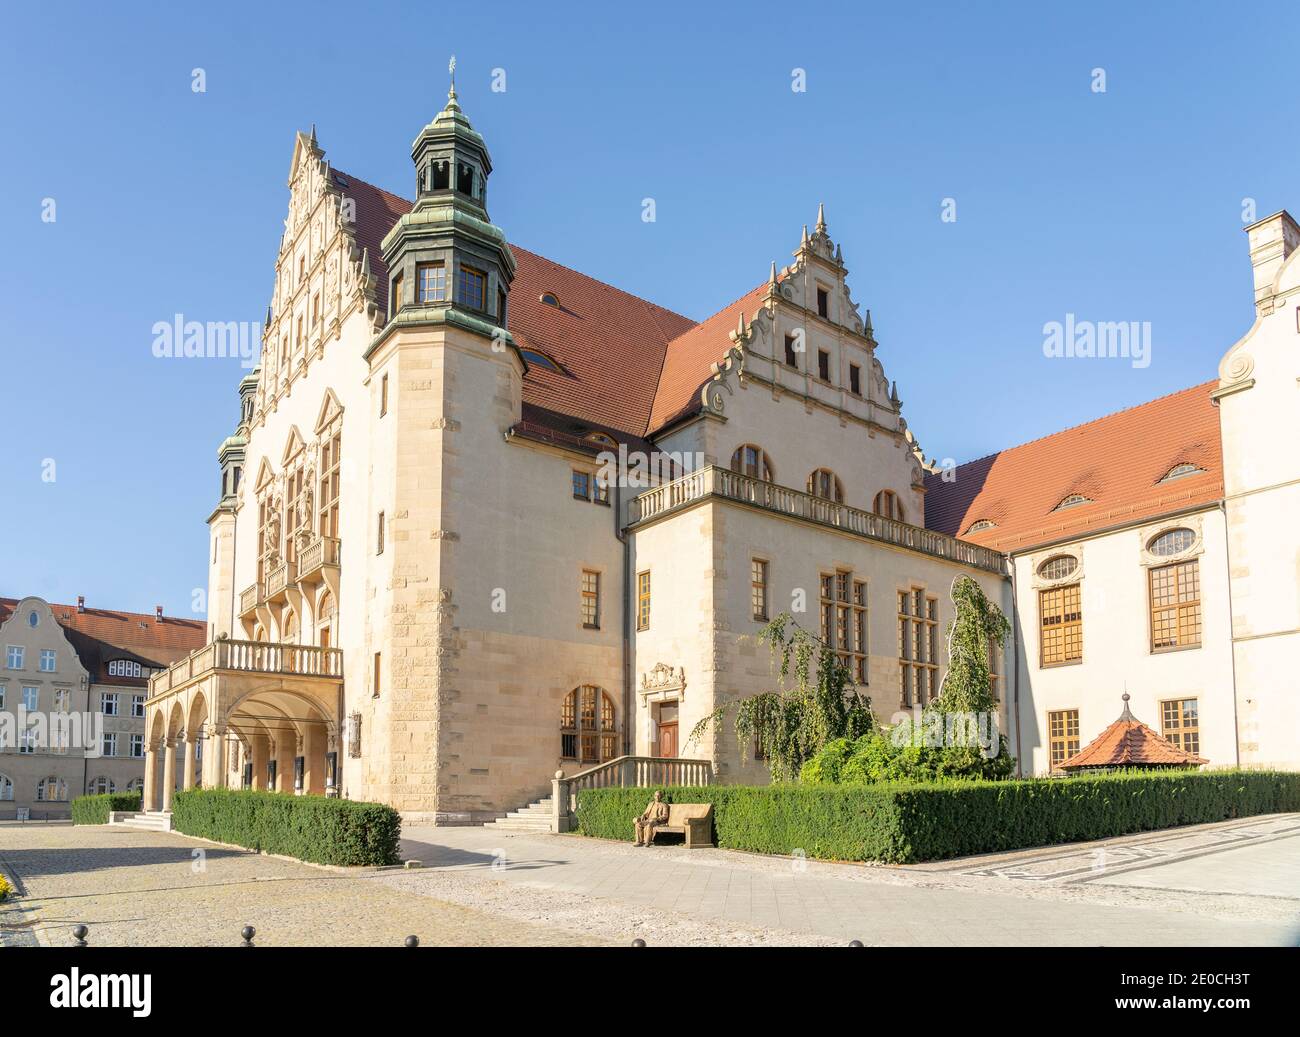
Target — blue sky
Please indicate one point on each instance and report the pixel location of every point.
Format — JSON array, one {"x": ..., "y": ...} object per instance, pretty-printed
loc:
[{"x": 1117, "y": 206}]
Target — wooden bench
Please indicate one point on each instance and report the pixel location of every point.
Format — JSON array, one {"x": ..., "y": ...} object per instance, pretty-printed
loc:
[{"x": 693, "y": 821}]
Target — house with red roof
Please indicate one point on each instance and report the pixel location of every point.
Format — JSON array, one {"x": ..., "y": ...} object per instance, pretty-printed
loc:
[{"x": 485, "y": 518}]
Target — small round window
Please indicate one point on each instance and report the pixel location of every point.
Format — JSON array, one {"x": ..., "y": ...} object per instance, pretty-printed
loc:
[
  {"x": 1058, "y": 568},
  {"x": 1174, "y": 542}
]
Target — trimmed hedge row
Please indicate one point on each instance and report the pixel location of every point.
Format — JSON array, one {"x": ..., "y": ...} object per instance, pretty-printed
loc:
[
  {"x": 904, "y": 824},
  {"x": 311, "y": 828},
  {"x": 94, "y": 810}
]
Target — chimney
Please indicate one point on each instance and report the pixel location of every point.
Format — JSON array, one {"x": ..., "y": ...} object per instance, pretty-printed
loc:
[
  {"x": 157, "y": 613},
  {"x": 81, "y": 603},
  {"x": 1272, "y": 239}
]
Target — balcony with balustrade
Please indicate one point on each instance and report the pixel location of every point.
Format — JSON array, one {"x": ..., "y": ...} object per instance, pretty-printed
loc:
[{"x": 716, "y": 483}]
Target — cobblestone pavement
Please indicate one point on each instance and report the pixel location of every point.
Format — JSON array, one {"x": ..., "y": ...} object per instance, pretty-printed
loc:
[
  {"x": 1237, "y": 883},
  {"x": 149, "y": 889}
]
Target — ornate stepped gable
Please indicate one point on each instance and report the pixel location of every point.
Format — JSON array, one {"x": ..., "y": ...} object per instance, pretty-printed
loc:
[{"x": 1012, "y": 500}]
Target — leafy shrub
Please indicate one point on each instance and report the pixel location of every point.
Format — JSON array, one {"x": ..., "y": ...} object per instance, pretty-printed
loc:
[
  {"x": 5, "y": 888},
  {"x": 879, "y": 756},
  {"x": 94, "y": 810},
  {"x": 310, "y": 828},
  {"x": 904, "y": 823}
]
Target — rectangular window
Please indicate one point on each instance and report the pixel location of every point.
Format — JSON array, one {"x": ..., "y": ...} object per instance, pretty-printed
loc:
[
  {"x": 758, "y": 589},
  {"x": 1175, "y": 606},
  {"x": 383, "y": 396},
  {"x": 62, "y": 697},
  {"x": 137, "y": 706},
  {"x": 1180, "y": 724},
  {"x": 581, "y": 485},
  {"x": 47, "y": 660},
  {"x": 1062, "y": 735},
  {"x": 823, "y": 302},
  {"x": 431, "y": 282},
  {"x": 918, "y": 647},
  {"x": 2, "y": 695},
  {"x": 27, "y": 743},
  {"x": 376, "y": 677},
  {"x": 472, "y": 288},
  {"x": 791, "y": 356},
  {"x": 823, "y": 365},
  {"x": 855, "y": 379},
  {"x": 14, "y": 657},
  {"x": 110, "y": 743},
  {"x": 395, "y": 296},
  {"x": 137, "y": 746},
  {"x": 590, "y": 599},
  {"x": 108, "y": 704},
  {"x": 643, "y": 601},
  {"x": 844, "y": 620},
  {"x": 315, "y": 309},
  {"x": 600, "y": 490},
  {"x": 1060, "y": 624},
  {"x": 379, "y": 535},
  {"x": 31, "y": 697}
]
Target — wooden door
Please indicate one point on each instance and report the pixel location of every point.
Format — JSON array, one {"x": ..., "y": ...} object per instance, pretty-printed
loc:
[{"x": 668, "y": 739}]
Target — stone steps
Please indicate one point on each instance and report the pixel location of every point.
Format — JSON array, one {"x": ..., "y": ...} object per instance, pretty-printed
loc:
[
  {"x": 535, "y": 817},
  {"x": 153, "y": 821}
]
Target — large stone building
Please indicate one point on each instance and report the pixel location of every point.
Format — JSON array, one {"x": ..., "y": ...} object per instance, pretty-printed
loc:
[
  {"x": 427, "y": 589},
  {"x": 90, "y": 665}
]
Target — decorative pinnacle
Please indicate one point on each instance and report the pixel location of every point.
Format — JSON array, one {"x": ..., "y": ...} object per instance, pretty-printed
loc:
[
  {"x": 772, "y": 279},
  {"x": 1126, "y": 715},
  {"x": 821, "y": 218},
  {"x": 805, "y": 235},
  {"x": 451, "y": 71}
]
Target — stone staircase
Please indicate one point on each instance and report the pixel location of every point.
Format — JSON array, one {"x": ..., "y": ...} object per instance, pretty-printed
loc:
[
  {"x": 535, "y": 817},
  {"x": 153, "y": 821}
]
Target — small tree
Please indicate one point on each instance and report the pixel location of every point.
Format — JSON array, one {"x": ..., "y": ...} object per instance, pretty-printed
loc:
[
  {"x": 792, "y": 725},
  {"x": 979, "y": 624}
]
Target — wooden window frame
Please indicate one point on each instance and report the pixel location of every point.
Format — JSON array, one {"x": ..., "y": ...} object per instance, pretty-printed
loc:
[
  {"x": 791, "y": 354},
  {"x": 1062, "y": 736},
  {"x": 843, "y": 612},
  {"x": 329, "y": 484},
  {"x": 395, "y": 296},
  {"x": 1063, "y": 601},
  {"x": 918, "y": 647},
  {"x": 466, "y": 276},
  {"x": 758, "y": 588},
  {"x": 855, "y": 379},
  {"x": 1181, "y": 726},
  {"x": 1185, "y": 629},
  {"x": 643, "y": 600},
  {"x": 761, "y": 466},
  {"x": 585, "y": 478},
  {"x": 437, "y": 292},
  {"x": 590, "y": 601},
  {"x": 588, "y": 725}
]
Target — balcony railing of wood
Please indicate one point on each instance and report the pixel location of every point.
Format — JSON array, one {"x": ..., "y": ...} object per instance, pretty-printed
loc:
[
  {"x": 723, "y": 483},
  {"x": 248, "y": 598},
  {"x": 250, "y": 657},
  {"x": 320, "y": 552}
]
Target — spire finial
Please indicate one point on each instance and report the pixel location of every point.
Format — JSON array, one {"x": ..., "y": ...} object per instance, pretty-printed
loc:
[
  {"x": 772, "y": 278},
  {"x": 451, "y": 71},
  {"x": 821, "y": 218},
  {"x": 805, "y": 235},
  {"x": 1126, "y": 715}
]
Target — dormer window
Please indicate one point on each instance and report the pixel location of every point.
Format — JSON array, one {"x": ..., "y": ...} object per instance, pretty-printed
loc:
[
  {"x": 823, "y": 302},
  {"x": 1178, "y": 471},
  {"x": 550, "y": 299},
  {"x": 980, "y": 526},
  {"x": 465, "y": 178},
  {"x": 1072, "y": 501},
  {"x": 536, "y": 359}
]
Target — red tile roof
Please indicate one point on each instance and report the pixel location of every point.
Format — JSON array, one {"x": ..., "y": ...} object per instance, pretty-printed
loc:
[
  {"x": 609, "y": 343},
  {"x": 1117, "y": 462},
  {"x": 99, "y": 635},
  {"x": 1130, "y": 743}
]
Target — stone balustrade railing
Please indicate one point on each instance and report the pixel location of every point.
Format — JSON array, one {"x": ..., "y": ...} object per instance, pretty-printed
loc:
[
  {"x": 250, "y": 657},
  {"x": 623, "y": 772},
  {"x": 723, "y": 483}
]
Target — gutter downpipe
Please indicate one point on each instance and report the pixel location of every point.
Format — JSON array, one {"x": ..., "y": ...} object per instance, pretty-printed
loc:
[
  {"x": 623, "y": 538},
  {"x": 1015, "y": 680}
]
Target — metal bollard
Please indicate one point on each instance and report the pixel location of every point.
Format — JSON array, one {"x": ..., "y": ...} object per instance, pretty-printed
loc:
[
  {"x": 248, "y": 932},
  {"x": 412, "y": 941},
  {"x": 638, "y": 942},
  {"x": 79, "y": 933}
]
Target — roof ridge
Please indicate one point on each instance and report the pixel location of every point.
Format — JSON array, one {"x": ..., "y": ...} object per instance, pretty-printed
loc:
[
  {"x": 124, "y": 613},
  {"x": 721, "y": 310},
  {"x": 1090, "y": 421}
]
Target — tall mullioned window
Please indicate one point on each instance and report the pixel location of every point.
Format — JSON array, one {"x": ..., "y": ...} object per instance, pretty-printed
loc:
[
  {"x": 327, "y": 497},
  {"x": 431, "y": 282},
  {"x": 590, "y": 599},
  {"x": 1175, "y": 593},
  {"x": 1180, "y": 723},
  {"x": 758, "y": 589},
  {"x": 643, "y": 600},
  {"x": 473, "y": 287},
  {"x": 1062, "y": 735},
  {"x": 587, "y": 729},
  {"x": 918, "y": 647},
  {"x": 752, "y": 461},
  {"x": 844, "y": 620}
]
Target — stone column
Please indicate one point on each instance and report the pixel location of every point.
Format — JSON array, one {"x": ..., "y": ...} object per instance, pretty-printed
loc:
[
  {"x": 169, "y": 772},
  {"x": 215, "y": 762},
  {"x": 187, "y": 771},
  {"x": 151, "y": 777},
  {"x": 260, "y": 755},
  {"x": 286, "y": 748}
]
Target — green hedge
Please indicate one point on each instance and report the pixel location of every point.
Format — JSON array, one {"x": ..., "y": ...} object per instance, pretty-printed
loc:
[
  {"x": 311, "y": 828},
  {"x": 94, "y": 810},
  {"x": 903, "y": 824}
]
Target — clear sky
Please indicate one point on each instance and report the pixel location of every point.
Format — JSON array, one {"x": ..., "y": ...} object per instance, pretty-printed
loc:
[{"x": 1122, "y": 205}]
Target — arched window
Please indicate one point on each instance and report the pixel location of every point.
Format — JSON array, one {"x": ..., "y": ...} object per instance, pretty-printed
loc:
[
  {"x": 101, "y": 785},
  {"x": 1172, "y": 542},
  {"x": 587, "y": 731},
  {"x": 51, "y": 790},
  {"x": 550, "y": 298},
  {"x": 980, "y": 526},
  {"x": 135, "y": 785},
  {"x": 887, "y": 503},
  {"x": 289, "y": 635},
  {"x": 327, "y": 497},
  {"x": 826, "y": 484},
  {"x": 1178, "y": 471},
  {"x": 536, "y": 359},
  {"x": 325, "y": 620},
  {"x": 1073, "y": 501},
  {"x": 6, "y": 789},
  {"x": 752, "y": 461}
]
